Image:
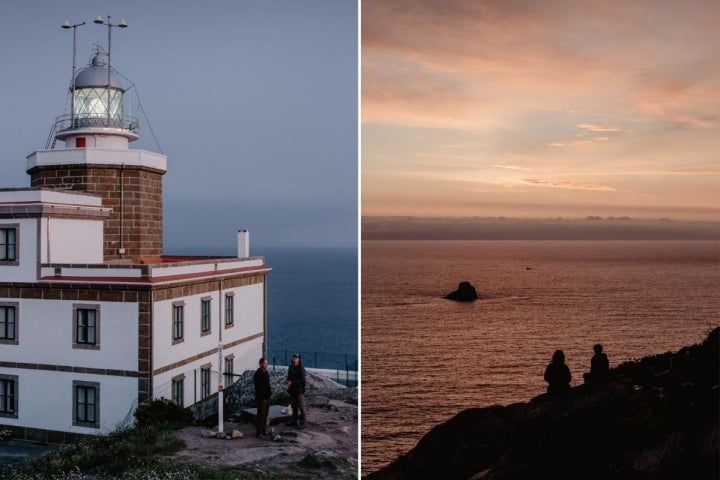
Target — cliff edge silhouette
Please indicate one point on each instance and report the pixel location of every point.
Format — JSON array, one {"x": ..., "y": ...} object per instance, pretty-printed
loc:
[{"x": 657, "y": 418}]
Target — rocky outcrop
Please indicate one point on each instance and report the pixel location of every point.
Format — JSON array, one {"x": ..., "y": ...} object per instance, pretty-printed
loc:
[
  {"x": 464, "y": 293},
  {"x": 656, "y": 419}
]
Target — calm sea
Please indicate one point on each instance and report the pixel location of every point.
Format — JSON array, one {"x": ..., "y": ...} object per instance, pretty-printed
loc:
[
  {"x": 425, "y": 358},
  {"x": 312, "y": 305}
]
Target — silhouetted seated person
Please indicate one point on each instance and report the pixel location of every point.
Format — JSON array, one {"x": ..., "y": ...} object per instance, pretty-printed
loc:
[
  {"x": 557, "y": 374},
  {"x": 599, "y": 367}
]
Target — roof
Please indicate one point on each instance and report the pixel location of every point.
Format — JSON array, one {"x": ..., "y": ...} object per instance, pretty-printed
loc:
[{"x": 96, "y": 75}]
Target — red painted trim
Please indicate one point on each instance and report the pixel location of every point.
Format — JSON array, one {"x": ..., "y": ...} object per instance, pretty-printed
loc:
[{"x": 153, "y": 280}]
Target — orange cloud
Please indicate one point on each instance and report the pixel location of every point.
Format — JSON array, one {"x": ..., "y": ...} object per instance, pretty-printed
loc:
[{"x": 509, "y": 96}]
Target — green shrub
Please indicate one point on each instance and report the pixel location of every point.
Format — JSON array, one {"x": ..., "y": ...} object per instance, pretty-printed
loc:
[
  {"x": 280, "y": 398},
  {"x": 163, "y": 412}
]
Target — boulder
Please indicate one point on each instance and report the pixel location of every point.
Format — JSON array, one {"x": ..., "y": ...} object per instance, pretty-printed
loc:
[{"x": 464, "y": 293}]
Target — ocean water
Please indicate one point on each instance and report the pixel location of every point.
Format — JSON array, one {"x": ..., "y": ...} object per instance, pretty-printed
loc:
[
  {"x": 425, "y": 358},
  {"x": 312, "y": 305}
]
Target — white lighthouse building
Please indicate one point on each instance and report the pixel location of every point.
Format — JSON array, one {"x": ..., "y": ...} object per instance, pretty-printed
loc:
[{"x": 94, "y": 319}]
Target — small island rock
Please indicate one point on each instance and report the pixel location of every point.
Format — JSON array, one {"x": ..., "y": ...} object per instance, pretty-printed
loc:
[{"x": 464, "y": 293}]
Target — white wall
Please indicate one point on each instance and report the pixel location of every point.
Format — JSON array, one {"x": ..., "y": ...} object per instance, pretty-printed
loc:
[
  {"x": 246, "y": 356},
  {"x": 45, "y": 400},
  {"x": 71, "y": 241},
  {"x": 61, "y": 241},
  {"x": 102, "y": 156},
  {"x": 45, "y": 330},
  {"x": 248, "y": 321},
  {"x": 26, "y": 270}
]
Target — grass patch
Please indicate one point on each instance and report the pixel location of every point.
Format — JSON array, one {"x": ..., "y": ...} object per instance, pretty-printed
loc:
[
  {"x": 124, "y": 453},
  {"x": 313, "y": 461},
  {"x": 137, "y": 453}
]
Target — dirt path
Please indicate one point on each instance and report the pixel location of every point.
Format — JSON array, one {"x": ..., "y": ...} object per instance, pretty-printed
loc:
[{"x": 330, "y": 439}]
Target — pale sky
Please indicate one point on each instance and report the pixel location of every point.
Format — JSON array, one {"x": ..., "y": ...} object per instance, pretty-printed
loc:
[
  {"x": 541, "y": 109},
  {"x": 254, "y": 102}
]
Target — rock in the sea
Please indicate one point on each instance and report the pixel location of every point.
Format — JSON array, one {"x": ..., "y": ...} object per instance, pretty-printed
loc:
[{"x": 464, "y": 293}]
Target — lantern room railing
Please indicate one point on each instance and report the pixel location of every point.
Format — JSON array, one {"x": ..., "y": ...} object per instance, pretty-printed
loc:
[{"x": 65, "y": 123}]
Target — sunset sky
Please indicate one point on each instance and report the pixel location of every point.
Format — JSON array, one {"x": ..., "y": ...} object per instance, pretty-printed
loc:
[{"x": 541, "y": 109}]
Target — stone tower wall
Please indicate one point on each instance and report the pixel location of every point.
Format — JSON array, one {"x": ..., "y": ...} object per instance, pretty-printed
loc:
[{"x": 141, "y": 212}]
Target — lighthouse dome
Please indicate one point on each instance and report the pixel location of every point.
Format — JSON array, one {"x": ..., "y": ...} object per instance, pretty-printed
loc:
[{"x": 96, "y": 75}]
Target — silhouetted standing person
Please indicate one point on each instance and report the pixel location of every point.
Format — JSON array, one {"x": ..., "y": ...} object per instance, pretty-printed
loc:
[
  {"x": 557, "y": 374},
  {"x": 296, "y": 389},
  {"x": 599, "y": 367},
  {"x": 261, "y": 381}
]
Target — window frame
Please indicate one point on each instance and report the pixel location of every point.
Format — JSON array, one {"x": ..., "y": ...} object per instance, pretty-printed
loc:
[
  {"x": 205, "y": 316},
  {"x": 4, "y": 308},
  {"x": 205, "y": 381},
  {"x": 14, "y": 381},
  {"x": 228, "y": 376},
  {"x": 86, "y": 387},
  {"x": 177, "y": 391},
  {"x": 230, "y": 310},
  {"x": 84, "y": 344},
  {"x": 177, "y": 326},
  {"x": 15, "y": 260}
]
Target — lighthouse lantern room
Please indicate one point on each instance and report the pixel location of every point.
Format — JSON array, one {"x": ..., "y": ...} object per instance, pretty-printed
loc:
[{"x": 97, "y": 108}]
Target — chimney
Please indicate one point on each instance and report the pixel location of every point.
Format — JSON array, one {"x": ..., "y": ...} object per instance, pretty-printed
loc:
[{"x": 243, "y": 245}]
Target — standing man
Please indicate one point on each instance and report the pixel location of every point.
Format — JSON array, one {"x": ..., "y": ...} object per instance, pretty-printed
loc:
[
  {"x": 261, "y": 380},
  {"x": 296, "y": 388}
]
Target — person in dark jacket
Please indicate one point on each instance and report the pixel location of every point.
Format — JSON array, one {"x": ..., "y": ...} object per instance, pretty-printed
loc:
[
  {"x": 261, "y": 381},
  {"x": 599, "y": 367},
  {"x": 557, "y": 374},
  {"x": 296, "y": 388}
]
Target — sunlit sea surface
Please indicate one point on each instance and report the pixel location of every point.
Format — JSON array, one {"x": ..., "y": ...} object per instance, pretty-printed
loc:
[{"x": 425, "y": 358}]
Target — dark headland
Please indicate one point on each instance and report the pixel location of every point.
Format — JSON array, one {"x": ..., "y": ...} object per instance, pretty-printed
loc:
[{"x": 656, "y": 419}]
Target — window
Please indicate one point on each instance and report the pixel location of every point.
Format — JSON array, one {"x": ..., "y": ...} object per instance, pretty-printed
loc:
[
  {"x": 178, "y": 322},
  {"x": 8, "y": 396},
  {"x": 8, "y": 244},
  {"x": 91, "y": 106},
  {"x": 229, "y": 310},
  {"x": 205, "y": 382},
  {"x": 205, "y": 316},
  {"x": 86, "y": 320},
  {"x": 178, "y": 390},
  {"x": 229, "y": 370},
  {"x": 8, "y": 323},
  {"x": 86, "y": 402}
]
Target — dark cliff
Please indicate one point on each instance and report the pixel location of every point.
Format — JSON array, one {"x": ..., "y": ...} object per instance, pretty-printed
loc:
[{"x": 656, "y": 419}]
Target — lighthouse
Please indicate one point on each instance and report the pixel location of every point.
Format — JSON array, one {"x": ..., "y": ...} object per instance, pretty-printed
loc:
[
  {"x": 97, "y": 158},
  {"x": 94, "y": 318}
]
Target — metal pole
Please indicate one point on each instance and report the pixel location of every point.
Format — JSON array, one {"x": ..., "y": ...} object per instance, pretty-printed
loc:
[
  {"x": 72, "y": 98},
  {"x": 221, "y": 398},
  {"x": 109, "y": 70},
  {"x": 67, "y": 25}
]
